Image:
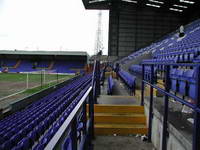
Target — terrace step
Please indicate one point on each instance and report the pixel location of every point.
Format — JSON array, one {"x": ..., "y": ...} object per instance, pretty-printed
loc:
[
  {"x": 119, "y": 129},
  {"x": 103, "y": 108},
  {"x": 51, "y": 65},
  {"x": 17, "y": 64},
  {"x": 119, "y": 119}
]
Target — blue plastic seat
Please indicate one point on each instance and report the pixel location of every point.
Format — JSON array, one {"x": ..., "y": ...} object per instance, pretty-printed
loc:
[
  {"x": 25, "y": 127},
  {"x": 39, "y": 147},
  {"x": 186, "y": 57},
  {"x": 2, "y": 140},
  {"x": 15, "y": 130},
  {"x": 62, "y": 119},
  {"x": 181, "y": 82},
  {"x": 25, "y": 143},
  {"x": 67, "y": 145},
  {"x": 22, "y": 132},
  {"x": 7, "y": 145},
  {"x": 128, "y": 79},
  {"x": 44, "y": 141},
  {"x": 181, "y": 58},
  {"x": 18, "y": 147},
  {"x": 182, "y": 87},
  {"x": 15, "y": 138},
  {"x": 173, "y": 77},
  {"x": 32, "y": 136},
  {"x": 191, "y": 57},
  {"x": 38, "y": 131},
  {"x": 41, "y": 127},
  {"x": 51, "y": 132},
  {"x": 8, "y": 135},
  {"x": 28, "y": 128},
  {"x": 190, "y": 77}
]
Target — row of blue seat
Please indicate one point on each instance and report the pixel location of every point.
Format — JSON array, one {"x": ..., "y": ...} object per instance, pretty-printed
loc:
[
  {"x": 188, "y": 47},
  {"x": 172, "y": 47},
  {"x": 182, "y": 50},
  {"x": 180, "y": 56},
  {"x": 110, "y": 85},
  {"x": 128, "y": 79},
  {"x": 22, "y": 129},
  {"x": 138, "y": 70},
  {"x": 67, "y": 145},
  {"x": 184, "y": 82},
  {"x": 54, "y": 128},
  {"x": 177, "y": 58}
]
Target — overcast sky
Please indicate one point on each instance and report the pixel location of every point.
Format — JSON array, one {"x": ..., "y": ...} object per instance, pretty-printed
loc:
[{"x": 49, "y": 25}]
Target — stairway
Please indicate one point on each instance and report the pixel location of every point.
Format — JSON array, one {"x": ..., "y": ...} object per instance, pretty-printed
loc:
[
  {"x": 17, "y": 64},
  {"x": 119, "y": 119},
  {"x": 51, "y": 65},
  {"x": 13, "y": 67}
]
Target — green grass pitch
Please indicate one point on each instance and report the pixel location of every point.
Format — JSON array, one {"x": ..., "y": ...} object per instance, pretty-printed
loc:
[
  {"x": 15, "y": 82},
  {"x": 15, "y": 77}
]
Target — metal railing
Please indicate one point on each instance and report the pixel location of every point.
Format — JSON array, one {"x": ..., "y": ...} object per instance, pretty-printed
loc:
[
  {"x": 71, "y": 122},
  {"x": 167, "y": 94},
  {"x": 90, "y": 98}
]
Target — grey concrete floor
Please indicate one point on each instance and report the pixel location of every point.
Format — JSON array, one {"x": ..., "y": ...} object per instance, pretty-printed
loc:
[
  {"x": 117, "y": 100},
  {"x": 121, "y": 143},
  {"x": 120, "y": 95},
  {"x": 118, "y": 89}
]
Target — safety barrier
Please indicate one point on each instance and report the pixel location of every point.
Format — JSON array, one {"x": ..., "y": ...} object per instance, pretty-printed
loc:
[{"x": 184, "y": 81}]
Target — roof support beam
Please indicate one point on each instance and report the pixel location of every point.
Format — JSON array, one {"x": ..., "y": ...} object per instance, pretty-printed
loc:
[
  {"x": 142, "y": 3},
  {"x": 85, "y": 2},
  {"x": 167, "y": 5},
  {"x": 96, "y": 5},
  {"x": 191, "y": 13}
]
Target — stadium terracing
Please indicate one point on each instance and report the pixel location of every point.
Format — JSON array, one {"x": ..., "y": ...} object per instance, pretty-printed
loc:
[{"x": 152, "y": 90}]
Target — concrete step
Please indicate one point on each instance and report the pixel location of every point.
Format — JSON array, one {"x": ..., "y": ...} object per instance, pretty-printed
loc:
[
  {"x": 137, "y": 95},
  {"x": 119, "y": 119},
  {"x": 123, "y": 118},
  {"x": 108, "y": 108},
  {"x": 111, "y": 73},
  {"x": 120, "y": 129}
]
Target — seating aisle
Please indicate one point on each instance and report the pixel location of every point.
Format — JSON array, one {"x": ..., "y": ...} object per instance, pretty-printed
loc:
[{"x": 118, "y": 118}]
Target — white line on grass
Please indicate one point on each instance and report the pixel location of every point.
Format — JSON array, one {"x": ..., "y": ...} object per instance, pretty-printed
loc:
[{"x": 3, "y": 98}]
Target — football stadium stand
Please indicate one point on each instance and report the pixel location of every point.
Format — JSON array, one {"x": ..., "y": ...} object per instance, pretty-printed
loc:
[
  {"x": 59, "y": 62},
  {"x": 128, "y": 79},
  {"x": 174, "y": 63},
  {"x": 166, "y": 102}
]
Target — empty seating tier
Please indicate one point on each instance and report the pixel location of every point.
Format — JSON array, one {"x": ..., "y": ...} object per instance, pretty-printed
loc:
[
  {"x": 34, "y": 126},
  {"x": 128, "y": 79}
]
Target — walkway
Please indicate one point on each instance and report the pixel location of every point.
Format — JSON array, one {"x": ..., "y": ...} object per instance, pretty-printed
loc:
[{"x": 120, "y": 97}]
